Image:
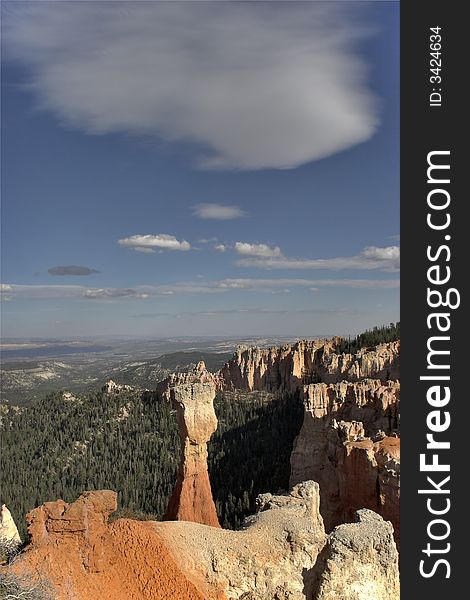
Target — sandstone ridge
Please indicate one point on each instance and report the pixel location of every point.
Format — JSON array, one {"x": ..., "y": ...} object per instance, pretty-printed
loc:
[
  {"x": 282, "y": 552},
  {"x": 287, "y": 368}
]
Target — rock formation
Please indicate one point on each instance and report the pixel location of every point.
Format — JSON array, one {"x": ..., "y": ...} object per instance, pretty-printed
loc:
[
  {"x": 348, "y": 444},
  {"x": 267, "y": 559},
  {"x": 288, "y": 367},
  {"x": 111, "y": 387},
  {"x": 9, "y": 536},
  {"x": 84, "y": 557},
  {"x": 359, "y": 562},
  {"x": 282, "y": 552},
  {"x": 349, "y": 438},
  {"x": 192, "y": 395}
]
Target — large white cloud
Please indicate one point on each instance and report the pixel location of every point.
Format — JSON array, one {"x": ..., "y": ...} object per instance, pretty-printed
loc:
[{"x": 253, "y": 84}]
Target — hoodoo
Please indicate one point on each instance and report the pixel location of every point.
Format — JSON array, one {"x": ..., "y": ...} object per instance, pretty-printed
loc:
[{"x": 192, "y": 395}]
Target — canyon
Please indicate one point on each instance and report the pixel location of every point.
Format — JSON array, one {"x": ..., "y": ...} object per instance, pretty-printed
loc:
[
  {"x": 333, "y": 535},
  {"x": 349, "y": 440}
]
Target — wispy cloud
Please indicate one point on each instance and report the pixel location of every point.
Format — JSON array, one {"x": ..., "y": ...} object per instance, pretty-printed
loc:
[
  {"x": 218, "y": 286},
  {"x": 74, "y": 270},
  {"x": 371, "y": 258},
  {"x": 220, "y": 247},
  {"x": 260, "y": 284},
  {"x": 293, "y": 90},
  {"x": 148, "y": 243},
  {"x": 258, "y": 250},
  {"x": 107, "y": 293},
  {"x": 218, "y": 212}
]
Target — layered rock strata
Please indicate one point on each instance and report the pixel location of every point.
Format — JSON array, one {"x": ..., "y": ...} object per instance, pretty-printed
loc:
[
  {"x": 192, "y": 395},
  {"x": 348, "y": 443},
  {"x": 282, "y": 552},
  {"x": 288, "y": 368}
]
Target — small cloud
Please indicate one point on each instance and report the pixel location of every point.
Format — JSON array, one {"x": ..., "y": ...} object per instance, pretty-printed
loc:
[
  {"x": 258, "y": 250},
  {"x": 147, "y": 243},
  {"x": 388, "y": 253},
  {"x": 208, "y": 240},
  {"x": 314, "y": 289},
  {"x": 395, "y": 238},
  {"x": 73, "y": 270},
  {"x": 107, "y": 293},
  {"x": 220, "y": 247},
  {"x": 218, "y": 212}
]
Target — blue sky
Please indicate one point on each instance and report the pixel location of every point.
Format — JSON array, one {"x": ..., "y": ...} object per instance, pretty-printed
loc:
[{"x": 199, "y": 168}]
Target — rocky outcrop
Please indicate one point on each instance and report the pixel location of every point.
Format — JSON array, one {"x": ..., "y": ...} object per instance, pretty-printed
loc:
[
  {"x": 288, "y": 368},
  {"x": 85, "y": 520},
  {"x": 282, "y": 552},
  {"x": 348, "y": 443},
  {"x": 282, "y": 368},
  {"x": 192, "y": 395},
  {"x": 381, "y": 362},
  {"x": 81, "y": 556},
  {"x": 111, "y": 387},
  {"x": 265, "y": 560},
  {"x": 359, "y": 562},
  {"x": 9, "y": 536}
]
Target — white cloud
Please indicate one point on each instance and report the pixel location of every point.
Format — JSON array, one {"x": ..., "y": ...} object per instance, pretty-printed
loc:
[
  {"x": 259, "y": 250},
  {"x": 220, "y": 247},
  {"x": 290, "y": 89},
  {"x": 147, "y": 243},
  {"x": 389, "y": 253},
  {"x": 371, "y": 258},
  {"x": 218, "y": 212}
]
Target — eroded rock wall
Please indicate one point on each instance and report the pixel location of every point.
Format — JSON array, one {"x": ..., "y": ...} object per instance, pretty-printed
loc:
[
  {"x": 348, "y": 443},
  {"x": 287, "y": 368}
]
